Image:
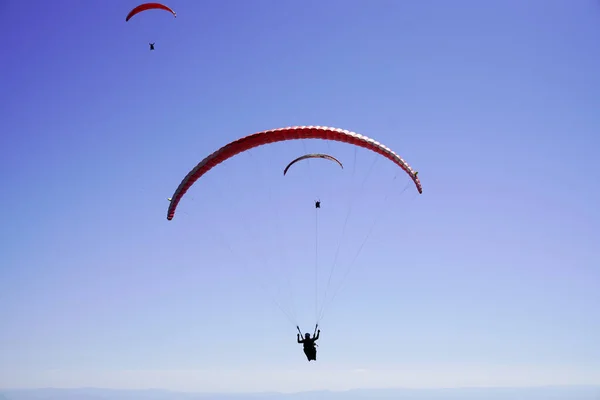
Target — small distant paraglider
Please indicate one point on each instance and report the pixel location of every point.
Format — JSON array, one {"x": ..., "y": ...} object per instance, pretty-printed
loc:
[{"x": 149, "y": 6}]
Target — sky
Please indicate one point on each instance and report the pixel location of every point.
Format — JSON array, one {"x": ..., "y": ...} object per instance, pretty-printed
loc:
[{"x": 490, "y": 277}]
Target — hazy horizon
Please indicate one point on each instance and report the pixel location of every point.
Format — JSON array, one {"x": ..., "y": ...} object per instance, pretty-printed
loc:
[{"x": 508, "y": 393}]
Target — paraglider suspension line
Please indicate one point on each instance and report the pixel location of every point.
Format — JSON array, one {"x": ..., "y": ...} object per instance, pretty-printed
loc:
[
  {"x": 364, "y": 241},
  {"x": 337, "y": 251},
  {"x": 316, "y": 263}
]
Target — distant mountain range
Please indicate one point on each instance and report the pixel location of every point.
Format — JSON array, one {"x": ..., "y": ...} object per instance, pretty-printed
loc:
[{"x": 536, "y": 393}]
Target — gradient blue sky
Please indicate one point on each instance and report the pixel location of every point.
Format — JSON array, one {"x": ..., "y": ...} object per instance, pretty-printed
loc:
[{"x": 491, "y": 277}]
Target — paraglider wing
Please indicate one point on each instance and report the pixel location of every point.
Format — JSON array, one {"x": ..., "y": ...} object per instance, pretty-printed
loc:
[
  {"x": 280, "y": 135},
  {"x": 306, "y": 156},
  {"x": 149, "y": 6}
]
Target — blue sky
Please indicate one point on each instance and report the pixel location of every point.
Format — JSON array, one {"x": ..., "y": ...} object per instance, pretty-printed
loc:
[{"x": 490, "y": 277}]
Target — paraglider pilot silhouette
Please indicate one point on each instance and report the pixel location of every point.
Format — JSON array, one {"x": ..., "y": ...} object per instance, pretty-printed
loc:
[{"x": 309, "y": 344}]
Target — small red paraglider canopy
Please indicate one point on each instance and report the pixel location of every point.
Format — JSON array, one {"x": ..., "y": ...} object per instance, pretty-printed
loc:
[{"x": 149, "y": 6}]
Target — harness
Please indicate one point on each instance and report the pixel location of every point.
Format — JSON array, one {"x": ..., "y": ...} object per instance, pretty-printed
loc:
[{"x": 314, "y": 334}]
